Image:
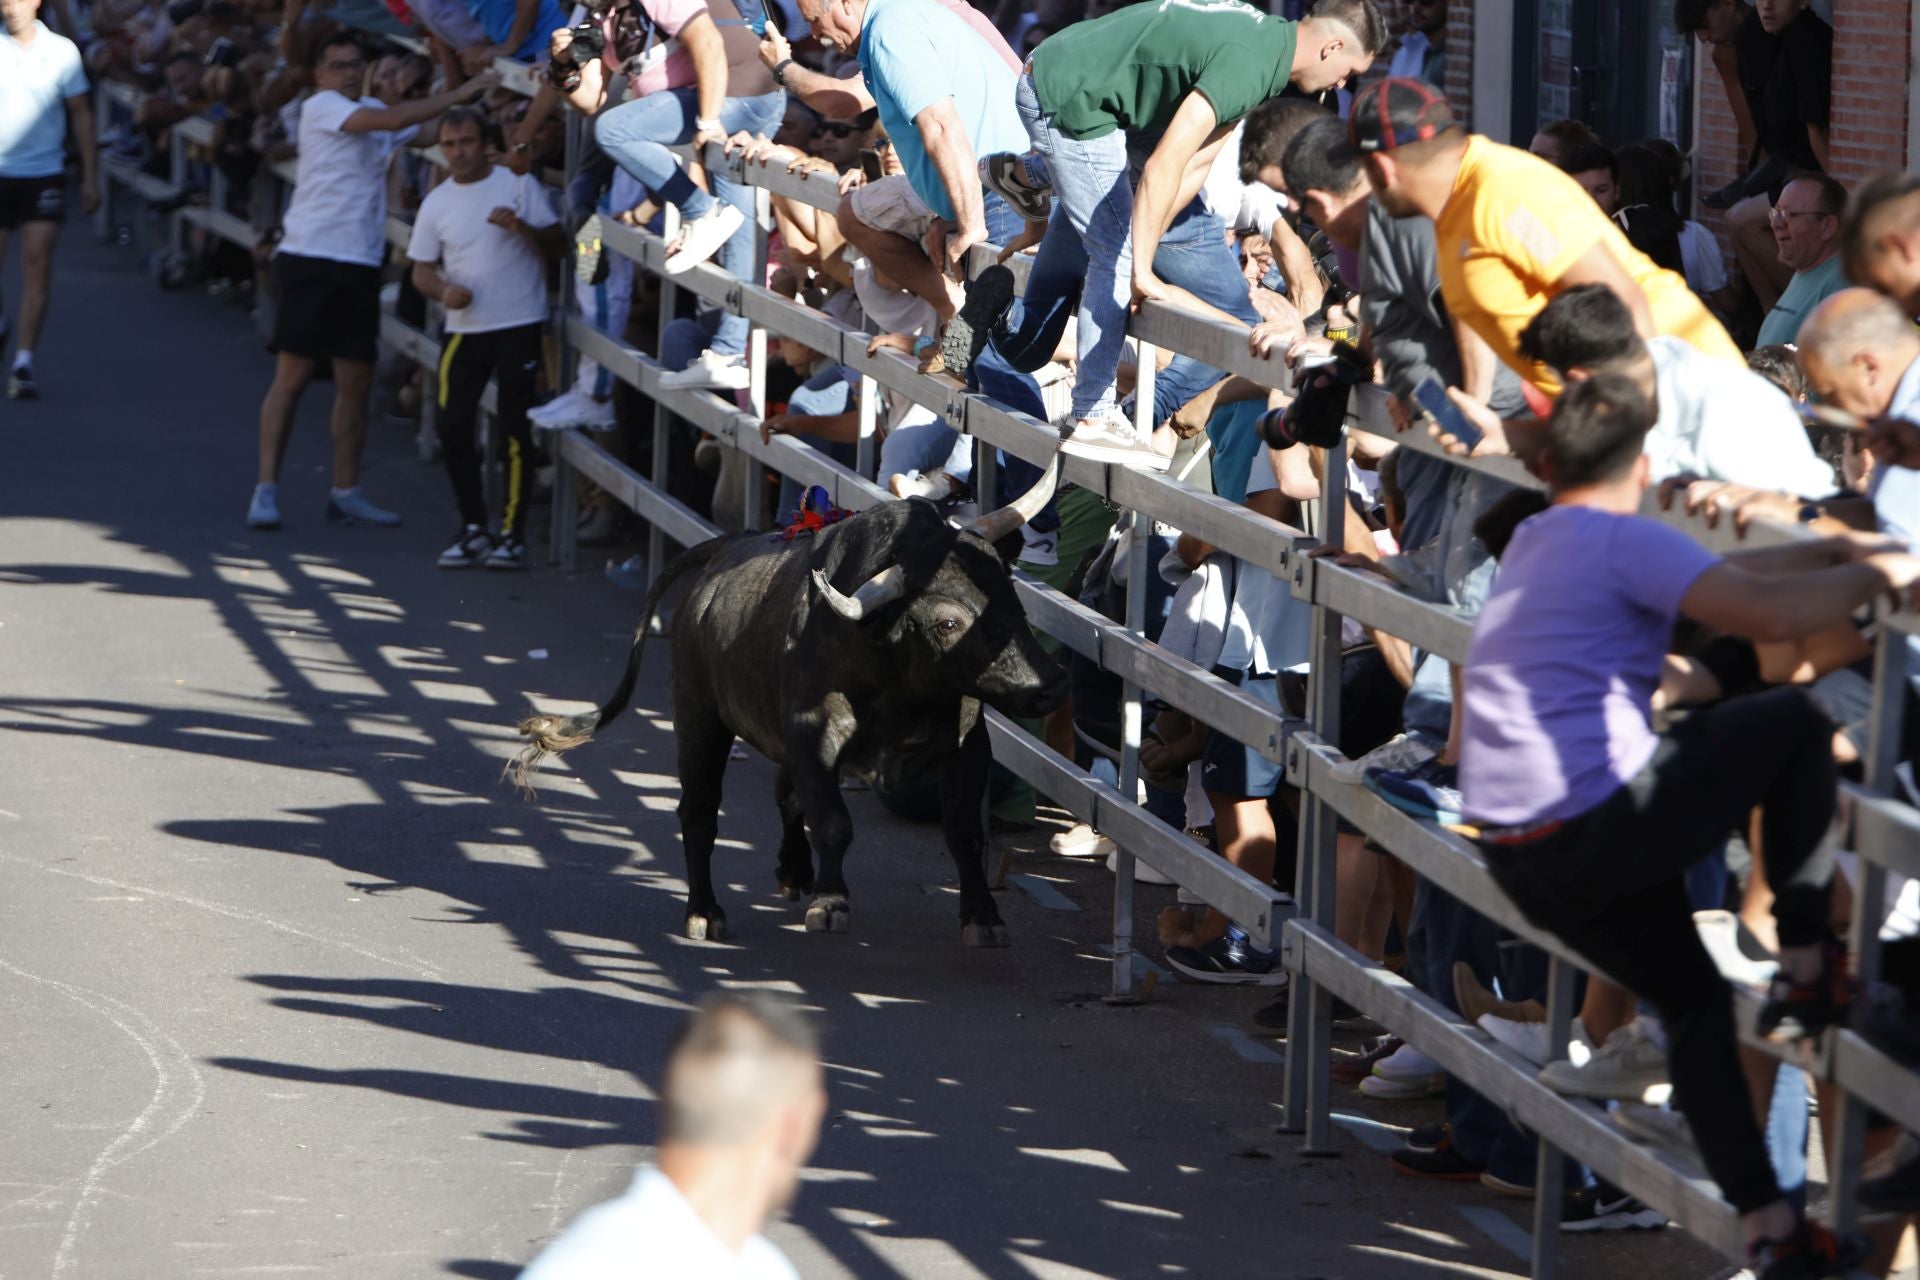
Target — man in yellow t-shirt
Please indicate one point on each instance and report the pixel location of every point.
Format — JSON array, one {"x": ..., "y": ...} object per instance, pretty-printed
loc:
[{"x": 1511, "y": 229}]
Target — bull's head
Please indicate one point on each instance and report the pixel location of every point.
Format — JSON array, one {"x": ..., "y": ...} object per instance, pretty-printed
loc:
[{"x": 947, "y": 610}]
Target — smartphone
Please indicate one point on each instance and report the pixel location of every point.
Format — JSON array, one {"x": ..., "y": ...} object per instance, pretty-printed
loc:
[
  {"x": 870, "y": 164},
  {"x": 1431, "y": 395},
  {"x": 1820, "y": 415}
]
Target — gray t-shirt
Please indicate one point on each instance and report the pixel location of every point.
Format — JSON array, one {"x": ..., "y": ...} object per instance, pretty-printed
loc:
[{"x": 1400, "y": 299}]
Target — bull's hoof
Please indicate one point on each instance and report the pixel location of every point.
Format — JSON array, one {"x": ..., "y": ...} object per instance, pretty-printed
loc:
[
  {"x": 707, "y": 928},
  {"x": 985, "y": 935},
  {"x": 829, "y": 915}
]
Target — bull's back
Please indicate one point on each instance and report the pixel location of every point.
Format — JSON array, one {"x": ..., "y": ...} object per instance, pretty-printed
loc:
[{"x": 731, "y": 637}]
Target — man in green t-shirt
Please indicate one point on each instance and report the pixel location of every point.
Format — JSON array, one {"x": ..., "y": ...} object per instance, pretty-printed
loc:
[{"x": 1181, "y": 72}]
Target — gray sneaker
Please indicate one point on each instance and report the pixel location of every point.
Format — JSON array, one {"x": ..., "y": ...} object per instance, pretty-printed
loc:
[
  {"x": 1628, "y": 1067},
  {"x": 350, "y": 506},
  {"x": 264, "y": 511},
  {"x": 1110, "y": 438},
  {"x": 701, "y": 237},
  {"x": 1005, "y": 174}
]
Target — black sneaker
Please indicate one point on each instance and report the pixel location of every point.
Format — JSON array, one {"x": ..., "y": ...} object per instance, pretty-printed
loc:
[
  {"x": 1440, "y": 1163},
  {"x": 469, "y": 547},
  {"x": 1605, "y": 1207},
  {"x": 988, "y": 298},
  {"x": 1230, "y": 961},
  {"x": 507, "y": 553},
  {"x": 21, "y": 386},
  {"x": 1813, "y": 1252},
  {"x": 1794, "y": 1012}
]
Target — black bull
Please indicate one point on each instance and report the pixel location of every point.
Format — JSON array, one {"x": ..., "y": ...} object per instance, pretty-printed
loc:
[{"x": 865, "y": 649}]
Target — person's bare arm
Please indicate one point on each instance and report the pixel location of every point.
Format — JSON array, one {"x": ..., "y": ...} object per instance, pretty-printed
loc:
[
  {"x": 520, "y": 146},
  {"x": 701, "y": 39},
  {"x": 1304, "y": 289},
  {"x": 549, "y": 241},
  {"x": 829, "y": 95},
  {"x": 429, "y": 280},
  {"x": 405, "y": 115},
  {"x": 1732, "y": 597},
  {"x": 1598, "y": 266},
  {"x": 80, "y": 126},
  {"x": 951, "y": 151},
  {"x": 1726, "y": 60},
  {"x": 1171, "y": 177},
  {"x": 525, "y": 14},
  {"x": 840, "y": 428},
  {"x": 1477, "y": 361}
]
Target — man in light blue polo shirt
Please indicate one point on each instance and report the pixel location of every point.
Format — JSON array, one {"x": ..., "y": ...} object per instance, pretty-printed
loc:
[
  {"x": 43, "y": 88},
  {"x": 946, "y": 97}
]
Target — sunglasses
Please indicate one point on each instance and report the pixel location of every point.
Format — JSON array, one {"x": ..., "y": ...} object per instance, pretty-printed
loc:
[{"x": 838, "y": 128}]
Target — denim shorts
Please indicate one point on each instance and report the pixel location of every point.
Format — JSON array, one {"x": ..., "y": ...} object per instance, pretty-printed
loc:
[{"x": 1230, "y": 768}]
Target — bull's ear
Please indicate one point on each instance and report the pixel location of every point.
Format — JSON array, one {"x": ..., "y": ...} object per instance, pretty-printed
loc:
[{"x": 1010, "y": 547}]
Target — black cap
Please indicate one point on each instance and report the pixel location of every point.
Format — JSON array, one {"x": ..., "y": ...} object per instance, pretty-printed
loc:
[{"x": 1394, "y": 112}]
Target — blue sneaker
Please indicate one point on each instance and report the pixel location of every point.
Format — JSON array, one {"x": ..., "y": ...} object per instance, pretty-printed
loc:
[
  {"x": 1231, "y": 960},
  {"x": 1429, "y": 791}
]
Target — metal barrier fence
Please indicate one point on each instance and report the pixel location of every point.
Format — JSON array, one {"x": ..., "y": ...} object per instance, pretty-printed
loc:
[{"x": 1885, "y": 831}]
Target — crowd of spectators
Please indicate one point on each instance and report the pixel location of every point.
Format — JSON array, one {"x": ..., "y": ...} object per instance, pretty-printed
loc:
[{"x": 1557, "y": 303}]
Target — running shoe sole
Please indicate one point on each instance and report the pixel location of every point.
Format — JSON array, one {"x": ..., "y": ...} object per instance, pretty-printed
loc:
[
  {"x": 1276, "y": 977},
  {"x": 1125, "y": 455},
  {"x": 1029, "y": 203},
  {"x": 988, "y": 298}
]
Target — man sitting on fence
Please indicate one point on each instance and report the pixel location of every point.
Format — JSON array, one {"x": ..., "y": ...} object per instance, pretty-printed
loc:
[
  {"x": 1589, "y": 819},
  {"x": 480, "y": 245},
  {"x": 327, "y": 271}
]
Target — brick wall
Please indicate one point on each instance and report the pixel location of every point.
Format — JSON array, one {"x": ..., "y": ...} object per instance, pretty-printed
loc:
[
  {"x": 1460, "y": 59},
  {"x": 1869, "y": 109}
]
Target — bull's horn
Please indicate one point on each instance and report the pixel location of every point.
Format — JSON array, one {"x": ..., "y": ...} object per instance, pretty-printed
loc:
[
  {"x": 997, "y": 524},
  {"x": 883, "y": 588}
]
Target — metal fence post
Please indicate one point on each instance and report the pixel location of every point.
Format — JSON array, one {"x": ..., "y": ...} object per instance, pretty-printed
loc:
[
  {"x": 1320, "y": 843},
  {"x": 1550, "y": 1167}
]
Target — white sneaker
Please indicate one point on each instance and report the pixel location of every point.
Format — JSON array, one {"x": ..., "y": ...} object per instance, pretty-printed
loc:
[
  {"x": 1529, "y": 1039},
  {"x": 1658, "y": 1127},
  {"x": 1720, "y": 933},
  {"x": 709, "y": 369},
  {"x": 1398, "y": 752},
  {"x": 701, "y": 238},
  {"x": 574, "y": 409},
  {"x": 1110, "y": 438},
  {"x": 264, "y": 511},
  {"x": 351, "y": 506},
  {"x": 1081, "y": 841},
  {"x": 1629, "y": 1067},
  {"x": 469, "y": 547},
  {"x": 1144, "y": 872},
  {"x": 1405, "y": 1064}
]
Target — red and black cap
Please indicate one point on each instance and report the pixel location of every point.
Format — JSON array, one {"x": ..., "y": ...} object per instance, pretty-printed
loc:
[{"x": 1394, "y": 112}]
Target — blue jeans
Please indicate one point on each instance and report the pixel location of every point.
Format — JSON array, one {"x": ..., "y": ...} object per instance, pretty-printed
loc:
[
  {"x": 1092, "y": 184},
  {"x": 637, "y": 134},
  {"x": 1193, "y": 254},
  {"x": 1030, "y": 331}
]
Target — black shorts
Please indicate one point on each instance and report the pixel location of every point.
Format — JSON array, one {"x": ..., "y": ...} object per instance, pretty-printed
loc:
[
  {"x": 24, "y": 200},
  {"x": 325, "y": 310}
]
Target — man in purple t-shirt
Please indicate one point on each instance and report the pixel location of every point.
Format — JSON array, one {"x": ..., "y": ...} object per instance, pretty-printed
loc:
[{"x": 1589, "y": 818}]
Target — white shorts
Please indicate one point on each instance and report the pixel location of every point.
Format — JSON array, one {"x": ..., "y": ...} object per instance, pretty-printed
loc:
[{"x": 891, "y": 204}]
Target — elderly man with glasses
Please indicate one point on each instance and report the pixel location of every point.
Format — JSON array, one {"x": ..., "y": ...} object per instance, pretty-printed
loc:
[{"x": 1806, "y": 228}]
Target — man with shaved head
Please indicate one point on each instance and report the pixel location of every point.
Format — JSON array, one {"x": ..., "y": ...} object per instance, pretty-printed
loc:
[
  {"x": 1862, "y": 354},
  {"x": 740, "y": 1112}
]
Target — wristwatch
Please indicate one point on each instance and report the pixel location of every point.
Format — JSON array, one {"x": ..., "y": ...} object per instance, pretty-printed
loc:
[
  {"x": 780, "y": 71},
  {"x": 702, "y": 124}
]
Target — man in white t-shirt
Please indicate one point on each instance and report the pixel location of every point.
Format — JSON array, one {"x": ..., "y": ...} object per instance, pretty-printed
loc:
[
  {"x": 480, "y": 246},
  {"x": 326, "y": 275},
  {"x": 740, "y": 1114},
  {"x": 43, "y": 90}
]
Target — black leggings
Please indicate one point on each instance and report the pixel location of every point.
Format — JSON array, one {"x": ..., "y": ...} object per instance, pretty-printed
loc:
[
  {"x": 510, "y": 358},
  {"x": 1609, "y": 883}
]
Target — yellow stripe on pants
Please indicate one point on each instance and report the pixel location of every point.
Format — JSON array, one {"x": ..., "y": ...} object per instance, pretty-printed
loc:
[
  {"x": 446, "y": 365},
  {"x": 512, "y": 513}
]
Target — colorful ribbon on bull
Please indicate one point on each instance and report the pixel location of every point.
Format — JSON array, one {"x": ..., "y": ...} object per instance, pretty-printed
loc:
[{"x": 815, "y": 512}]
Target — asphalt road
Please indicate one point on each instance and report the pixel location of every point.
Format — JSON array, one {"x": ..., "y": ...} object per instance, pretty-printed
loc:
[{"x": 295, "y": 984}]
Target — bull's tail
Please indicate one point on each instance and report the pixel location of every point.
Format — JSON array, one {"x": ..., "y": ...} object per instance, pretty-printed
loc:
[{"x": 552, "y": 735}]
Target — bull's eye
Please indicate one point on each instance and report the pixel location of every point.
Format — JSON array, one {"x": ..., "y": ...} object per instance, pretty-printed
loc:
[{"x": 948, "y": 626}]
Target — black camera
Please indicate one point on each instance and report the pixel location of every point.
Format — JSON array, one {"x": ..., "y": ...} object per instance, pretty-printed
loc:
[
  {"x": 589, "y": 42},
  {"x": 1318, "y": 413}
]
